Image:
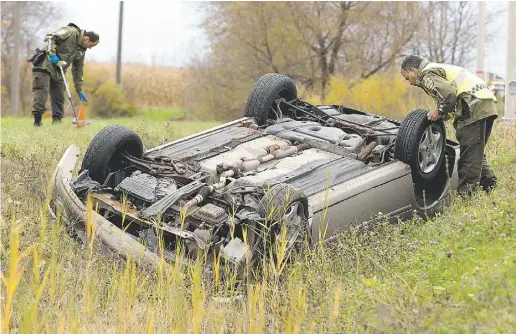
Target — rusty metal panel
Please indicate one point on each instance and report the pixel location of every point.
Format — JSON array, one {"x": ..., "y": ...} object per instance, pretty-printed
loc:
[{"x": 200, "y": 144}]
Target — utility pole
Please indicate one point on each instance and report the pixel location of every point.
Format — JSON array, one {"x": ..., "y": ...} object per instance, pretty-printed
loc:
[
  {"x": 480, "y": 40},
  {"x": 119, "y": 52},
  {"x": 15, "y": 74},
  {"x": 510, "y": 71}
]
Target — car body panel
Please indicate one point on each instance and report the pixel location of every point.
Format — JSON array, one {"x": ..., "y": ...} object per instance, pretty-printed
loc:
[{"x": 361, "y": 198}]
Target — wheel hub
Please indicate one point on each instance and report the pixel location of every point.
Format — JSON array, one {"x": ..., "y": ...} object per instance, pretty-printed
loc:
[
  {"x": 430, "y": 148},
  {"x": 293, "y": 221}
]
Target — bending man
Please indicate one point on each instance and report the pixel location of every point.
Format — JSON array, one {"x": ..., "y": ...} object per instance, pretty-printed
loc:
[{"x": 473, "y": 105}]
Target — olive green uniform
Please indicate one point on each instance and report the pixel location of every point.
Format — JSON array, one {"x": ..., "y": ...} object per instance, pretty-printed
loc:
[
  {"x": 66, "y": 44},
  {"x": 473, "y": 121}
]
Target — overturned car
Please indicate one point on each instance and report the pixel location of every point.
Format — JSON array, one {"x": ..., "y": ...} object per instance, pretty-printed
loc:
[{"x": 288, "y": 169}]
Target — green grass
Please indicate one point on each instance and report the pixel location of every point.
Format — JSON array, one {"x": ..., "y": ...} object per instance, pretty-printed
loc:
[
  {"x": 163, "y": 114},
  {"x": 455, "y": 273}
]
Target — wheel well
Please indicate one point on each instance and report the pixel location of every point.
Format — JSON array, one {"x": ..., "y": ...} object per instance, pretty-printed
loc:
[{"x": 427, "y": 193}]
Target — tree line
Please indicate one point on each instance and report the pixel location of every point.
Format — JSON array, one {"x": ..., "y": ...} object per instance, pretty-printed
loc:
[
  {"x": 312, "y": 42},
  {"x": 315, "y": 41}
]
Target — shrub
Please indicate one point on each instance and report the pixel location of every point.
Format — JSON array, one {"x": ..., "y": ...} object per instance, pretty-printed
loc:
[
  {"x": 384, "y": 93},
  {"x": 110, "y": 101}
]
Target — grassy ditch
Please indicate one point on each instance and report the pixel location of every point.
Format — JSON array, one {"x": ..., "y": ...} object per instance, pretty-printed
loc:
[{"x": 455, "y": 273}]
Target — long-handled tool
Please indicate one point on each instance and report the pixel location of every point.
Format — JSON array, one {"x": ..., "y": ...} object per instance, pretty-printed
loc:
[{"x": 75, "y": 120}]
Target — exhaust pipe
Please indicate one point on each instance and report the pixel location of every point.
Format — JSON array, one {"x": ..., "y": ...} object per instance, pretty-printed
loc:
[
  {"x": 205, "y": 191},
  {"x": 368, "y": 149},
  {"x": 275, "y": 152}
]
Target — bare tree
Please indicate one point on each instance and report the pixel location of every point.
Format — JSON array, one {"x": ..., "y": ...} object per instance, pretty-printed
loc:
[
  {"x": 394, "y": 24},
  {"x": 15, "y": 74},
  {"x": 308, "y": 41},
  {"x": 378, "y": 38},
  {"x": 321, "y": 26},
  {"x": 448, "y": 32}
]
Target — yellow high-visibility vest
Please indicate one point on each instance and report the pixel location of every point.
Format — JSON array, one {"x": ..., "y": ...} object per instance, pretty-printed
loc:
[{"x": 464, "y": 81}]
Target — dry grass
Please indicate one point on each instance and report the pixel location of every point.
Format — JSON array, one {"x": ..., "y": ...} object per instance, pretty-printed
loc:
[
  {"x": 397, "y": 278},
  {"x": 146, "y": 85}
]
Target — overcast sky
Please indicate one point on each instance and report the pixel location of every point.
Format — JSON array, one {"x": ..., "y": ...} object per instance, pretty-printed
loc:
[
  {"x": 168, "y": 33},
  {"x": 159, "y": 33}
]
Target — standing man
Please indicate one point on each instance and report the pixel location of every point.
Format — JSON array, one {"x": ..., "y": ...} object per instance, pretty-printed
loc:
[
  {"x": 67, "y": 46},
  {"x": 473, "y": 105}
]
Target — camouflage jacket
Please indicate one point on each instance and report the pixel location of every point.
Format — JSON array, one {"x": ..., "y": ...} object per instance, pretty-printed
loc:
[
  {"x": 66, "y": 44},
  {"x": 465, "y": 108}
]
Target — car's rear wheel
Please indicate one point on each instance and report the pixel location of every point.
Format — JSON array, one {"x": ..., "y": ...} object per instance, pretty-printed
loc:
[
  {"x": 262, "y": 103},
  {"x": 285, "y": 210},
  {"x": 420, "y": 143},
  {"x": 104, "y": 153}
]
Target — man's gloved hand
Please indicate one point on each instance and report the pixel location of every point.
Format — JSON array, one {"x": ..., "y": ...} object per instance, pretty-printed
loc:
[
  {"x": 54, "y": 59},
  {"x": 61, "y": 63},
  {"x": 82, "y": 97}
]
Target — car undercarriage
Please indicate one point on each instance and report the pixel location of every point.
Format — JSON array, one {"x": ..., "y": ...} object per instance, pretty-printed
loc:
[{"x": 233, "y": 188}]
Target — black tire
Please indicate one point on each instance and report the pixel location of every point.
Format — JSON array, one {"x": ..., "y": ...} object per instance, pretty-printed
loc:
[
  {"x": 275, "y": 204},
  {"x": 104, "y": 151},
  {"x": 269, "y": 87},
  {"x": 408, "y": 141}
]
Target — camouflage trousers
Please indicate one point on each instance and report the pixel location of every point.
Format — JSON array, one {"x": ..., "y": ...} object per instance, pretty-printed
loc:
[
  {"x": 473, "y": 168},
  {"x": 44, "y": 83}
]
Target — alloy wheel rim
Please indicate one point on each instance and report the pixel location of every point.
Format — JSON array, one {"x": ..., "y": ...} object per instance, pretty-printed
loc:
[{"x": 430, "y": 148}]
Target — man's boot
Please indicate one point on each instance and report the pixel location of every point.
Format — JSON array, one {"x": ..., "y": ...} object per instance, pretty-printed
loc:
[
  {"x": 56, "y": 120},
  {"x": 488, "y": 183},
  {"x": 37, "y": 120}
]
